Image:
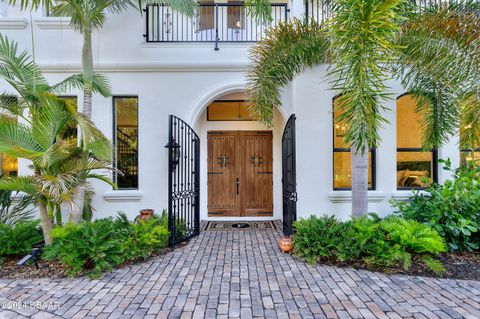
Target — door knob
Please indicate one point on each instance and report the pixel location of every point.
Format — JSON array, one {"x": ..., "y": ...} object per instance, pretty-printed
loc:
[{"x": 237, "y": 182}]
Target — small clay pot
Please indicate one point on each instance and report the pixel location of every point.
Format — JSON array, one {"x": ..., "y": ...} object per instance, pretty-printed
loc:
[
  {"x": 145, "y": 214},
  {"x": 285, "y": 244}
]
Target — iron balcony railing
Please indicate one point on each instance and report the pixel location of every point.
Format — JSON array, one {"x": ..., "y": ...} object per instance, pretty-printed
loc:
[
  {"x": 322, "y": 10},
  {"x": 214, "y": 23}
]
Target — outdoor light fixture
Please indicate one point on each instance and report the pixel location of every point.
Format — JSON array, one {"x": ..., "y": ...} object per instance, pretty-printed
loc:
[
  {"x": 175, "y": 152},
  {"x": 34, "y": 256}
]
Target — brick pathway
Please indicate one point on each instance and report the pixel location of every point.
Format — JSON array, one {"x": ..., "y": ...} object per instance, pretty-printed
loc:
[{"x": 241, "y": 274}]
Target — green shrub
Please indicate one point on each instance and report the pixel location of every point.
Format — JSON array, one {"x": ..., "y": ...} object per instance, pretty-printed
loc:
[
  {"x": 101, "y": 245},
  {"x": 388, "y": 242},
  {"x": 19, "y": 239},
  {"x": 452, "y": 209},
  {"x": 144, "y": 238}
]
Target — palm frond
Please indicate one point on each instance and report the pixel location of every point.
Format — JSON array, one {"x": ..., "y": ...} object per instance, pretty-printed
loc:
[
  {"x": 16, "y": 140},
  {"x": 286, "y": 51},
  {"x": 25, "y": 184},
  {"x": 363, "y": 34},
  {"x": 19, "y": 70},
  {"x": 100, "y": 84}
]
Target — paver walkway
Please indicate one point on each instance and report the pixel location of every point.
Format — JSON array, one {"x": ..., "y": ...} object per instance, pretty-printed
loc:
[{"x": 240, "y": 274}]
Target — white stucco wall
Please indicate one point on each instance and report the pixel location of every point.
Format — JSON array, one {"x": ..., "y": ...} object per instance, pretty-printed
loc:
[{"x": 181, "y": 79}]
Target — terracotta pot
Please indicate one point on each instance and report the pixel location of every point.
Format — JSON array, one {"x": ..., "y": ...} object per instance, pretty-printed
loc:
[
  {"x": 145, "y": 214},
  {"x": 285, "y": 244}
]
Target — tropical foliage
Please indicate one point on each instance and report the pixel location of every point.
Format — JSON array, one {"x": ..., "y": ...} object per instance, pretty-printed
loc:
[
  {"x": 42, "y": 135},
  {"x": 379, "y": 243},
  {"x": 452, "y": 208},
  {"x": 15, "y": 208},
  {"x": 98, "y": 246},
  {"x": 19, "y": 239},
  {"x": 434, "y": 52}
]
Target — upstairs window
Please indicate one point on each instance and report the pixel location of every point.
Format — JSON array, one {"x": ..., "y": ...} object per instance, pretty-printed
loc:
[
  {"x": 125, "y": 115},
  {"x": 342, "y": 157},
  {"x": 416, "y": 167}
]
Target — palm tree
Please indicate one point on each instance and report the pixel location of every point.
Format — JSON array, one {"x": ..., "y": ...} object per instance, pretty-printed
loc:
[
  {"x": 41, "y": 135},
  {"x": 87, "y": 16},
  {"x": 434, "y": 52}
]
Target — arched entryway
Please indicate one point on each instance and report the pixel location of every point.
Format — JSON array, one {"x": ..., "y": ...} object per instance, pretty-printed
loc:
[{"x": 241, "y": 161}]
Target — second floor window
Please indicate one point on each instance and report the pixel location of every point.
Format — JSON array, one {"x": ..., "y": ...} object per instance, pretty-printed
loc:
[
  {"x": 416, "y": 167},
  {"x": 342, "y": 157},
  {"x": 125, "y": 115}
]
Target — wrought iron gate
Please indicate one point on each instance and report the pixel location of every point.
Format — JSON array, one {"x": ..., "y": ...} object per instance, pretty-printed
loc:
[
  {"x": 183, "y": 181},
  {"x": 289, "y": 179}
]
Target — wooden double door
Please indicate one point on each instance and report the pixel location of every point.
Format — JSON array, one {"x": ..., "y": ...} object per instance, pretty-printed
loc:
[{"x": 240, "y": 180}]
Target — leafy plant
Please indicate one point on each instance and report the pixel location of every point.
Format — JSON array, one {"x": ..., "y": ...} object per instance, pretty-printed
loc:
[
  {"x": 15, "y": 209},
  {"x": 19, "y": 239},
  {"x": 101, "y": 245},
  {"x": 376, "y": 242},
  {"x": 452, "y": 208}
]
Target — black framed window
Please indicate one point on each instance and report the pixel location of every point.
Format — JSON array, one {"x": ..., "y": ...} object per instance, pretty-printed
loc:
[
  {"x": 416, "y": 167},
  {"x": 342, "y": 157},
  {"x": 125, "y": 137}
]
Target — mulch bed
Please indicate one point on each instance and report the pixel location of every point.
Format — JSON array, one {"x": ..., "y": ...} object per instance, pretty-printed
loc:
[
  {"x": 55, "y": 270},
  {"x": 46, "y": 269},
  {"x": 458, "y": 266}
]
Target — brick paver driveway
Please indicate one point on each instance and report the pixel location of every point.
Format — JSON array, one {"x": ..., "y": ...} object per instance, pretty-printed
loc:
[{"x": 241, "y": 274}]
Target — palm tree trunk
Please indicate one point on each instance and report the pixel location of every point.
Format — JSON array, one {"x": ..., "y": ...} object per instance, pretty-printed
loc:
[
  {"x": 45, "y": 222},
  {"x": 76, "y": 208},
  {"x": 87, "y": 70},
  {"x": 359, "y": 183}
]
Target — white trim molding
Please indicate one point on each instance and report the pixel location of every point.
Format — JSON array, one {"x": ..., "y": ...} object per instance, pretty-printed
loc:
[
  {"x": 148, "y": 66},
  {"x": 13, "y": 23},
  {"x": 346, "y": 196},
  {"x": 53, "y": 22},
  {"x": 405, "y": 195},
  {"x": 123, "y": 196}
]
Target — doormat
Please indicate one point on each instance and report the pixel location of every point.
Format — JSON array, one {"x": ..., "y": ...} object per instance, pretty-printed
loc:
[{"x": 232, "y": 226}]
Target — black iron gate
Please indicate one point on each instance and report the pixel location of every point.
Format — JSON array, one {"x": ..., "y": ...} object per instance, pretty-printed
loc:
[
  {"x": 289, "y": 179},
  {"x": 183, "y": 181}
]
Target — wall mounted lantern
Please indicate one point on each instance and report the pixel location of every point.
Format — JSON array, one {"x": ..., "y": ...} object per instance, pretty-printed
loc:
[{"x": 175, "y": 152}]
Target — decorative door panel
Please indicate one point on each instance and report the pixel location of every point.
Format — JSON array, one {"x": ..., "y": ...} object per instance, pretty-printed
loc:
[
  {"x": 258, "y": 195},
  {"x": 223, "y": 199},
  {"x": 240, "y": 173}
]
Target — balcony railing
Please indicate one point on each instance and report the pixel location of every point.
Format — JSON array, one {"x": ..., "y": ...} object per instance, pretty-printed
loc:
[{"x": 214, "y": 23}]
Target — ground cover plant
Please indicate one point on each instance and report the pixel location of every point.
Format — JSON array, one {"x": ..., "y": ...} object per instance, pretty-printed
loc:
[
  {"x": 452, "y": 208},
  {"x": 377, "y": 243},
  {"x": 101, "y": 245},
  {"x": 17, "y": 240}
]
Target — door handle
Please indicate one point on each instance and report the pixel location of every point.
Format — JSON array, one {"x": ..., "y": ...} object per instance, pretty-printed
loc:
[{"x": 237, "y": 182}]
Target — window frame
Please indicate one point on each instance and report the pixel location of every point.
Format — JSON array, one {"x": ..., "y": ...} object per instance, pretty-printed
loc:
[
  {"x": 473, "y": 150},
  {"x": 232, "y": 101},
  {"x": 114, "y": 141},
  {"x": 372, "y": 150},
  {"x": 413, "y": 150}
]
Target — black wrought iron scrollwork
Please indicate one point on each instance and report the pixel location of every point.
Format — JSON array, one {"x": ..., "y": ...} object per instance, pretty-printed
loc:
[
  {"x": 289, "y": 176},
  {"x": 183, "y": 181}
]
